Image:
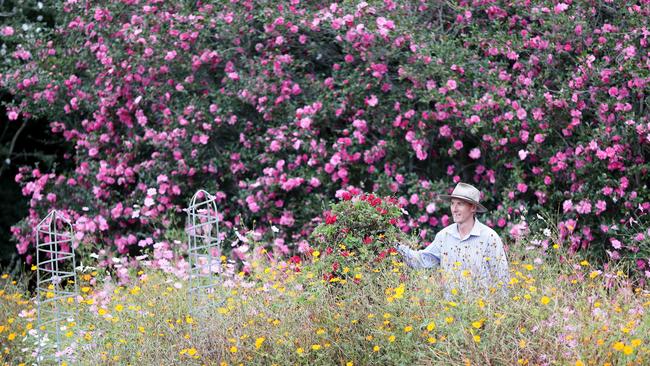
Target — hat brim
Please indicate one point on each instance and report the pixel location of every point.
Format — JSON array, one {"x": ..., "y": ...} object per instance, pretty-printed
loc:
[{"x": 447, "y": 197}]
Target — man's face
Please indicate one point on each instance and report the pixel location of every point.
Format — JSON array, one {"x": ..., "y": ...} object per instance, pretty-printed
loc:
[{"x": 462, "y": 211}]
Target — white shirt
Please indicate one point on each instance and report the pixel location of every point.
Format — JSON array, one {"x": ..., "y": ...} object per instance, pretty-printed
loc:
[{"x": 477, "y": 260}]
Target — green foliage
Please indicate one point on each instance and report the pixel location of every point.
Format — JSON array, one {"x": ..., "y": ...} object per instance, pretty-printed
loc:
[{"x": 359, "y": 231}]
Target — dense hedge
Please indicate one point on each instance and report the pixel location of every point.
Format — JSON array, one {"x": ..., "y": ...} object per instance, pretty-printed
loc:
[{"x": 278, "y": 106}]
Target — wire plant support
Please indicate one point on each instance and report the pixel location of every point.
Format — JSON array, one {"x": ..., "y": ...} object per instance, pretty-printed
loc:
[
  {"x": 204, "y": 253},
  {"x": 56, "y": 281}
]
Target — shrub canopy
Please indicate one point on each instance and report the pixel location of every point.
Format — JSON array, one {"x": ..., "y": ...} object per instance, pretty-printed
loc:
[{"x": 279, "y": 106}]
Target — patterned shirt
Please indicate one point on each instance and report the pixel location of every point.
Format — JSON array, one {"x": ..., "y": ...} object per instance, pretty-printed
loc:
[{"x": 477, "y": 260}]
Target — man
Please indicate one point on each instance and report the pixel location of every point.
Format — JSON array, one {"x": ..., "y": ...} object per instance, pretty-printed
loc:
[{"x": 469, "y": 253}]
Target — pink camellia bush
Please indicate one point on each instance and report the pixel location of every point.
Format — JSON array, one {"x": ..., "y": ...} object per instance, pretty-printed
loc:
[{"x": 276, "y": 106}]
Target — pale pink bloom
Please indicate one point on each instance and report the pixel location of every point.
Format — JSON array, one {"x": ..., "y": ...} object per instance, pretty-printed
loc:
[
  {"x": 559, "y": 8},
  {"x": 523, "y": 154},
  {"x": 7, "y": 31},
  {"x": 475, "y": 153},
  {"x": 372, "y": 101}
]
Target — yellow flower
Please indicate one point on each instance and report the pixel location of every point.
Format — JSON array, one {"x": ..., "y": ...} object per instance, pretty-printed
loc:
[
  {"x": 315, "y": 347},
  {"x": 431, "y": 326},
  {"x": 258, "y": 342},
  {"x": 636, "y": 342},
  {"x": 391, "y": 338},
  {"x": 522, "y": 343},
  {"x": 449, "y": 319},
  {"x": 34, "y": 267},
  {"x": 477, "y": 324},
  {"x": 628, "y": 350},
  {"x": 85, "y": 289},
  {"x": 477, "y": 338},
  {"x": 376, "y": 348},
  {"x": 545, "y": 300},
  {"x": 11, "y": 336},
  {"x": 189, "y": 320},
  {"x": 300, "y": 350},
  {"x": 399, "y": 292},
  {"x": 233, "y": 349},
  {"x": 619, "y": 346},
  {"x": 408, "y": 328},
  {"x": 102, "y": 311},
  {"x": 350, "y": 363},
  {"x": 431, "y": 340},
  {"x": 119, "y": 307},
  {"x": 579, "y": 363}
]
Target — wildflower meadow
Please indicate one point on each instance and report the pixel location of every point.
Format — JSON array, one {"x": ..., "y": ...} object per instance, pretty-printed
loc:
[{"x": 326, "y": 132}]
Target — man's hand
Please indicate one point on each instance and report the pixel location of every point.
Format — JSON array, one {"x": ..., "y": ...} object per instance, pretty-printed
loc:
[{"x": 401, "y": 248}]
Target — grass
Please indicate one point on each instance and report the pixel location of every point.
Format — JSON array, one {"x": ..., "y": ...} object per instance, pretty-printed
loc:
[{"x": 555, "y": 314}]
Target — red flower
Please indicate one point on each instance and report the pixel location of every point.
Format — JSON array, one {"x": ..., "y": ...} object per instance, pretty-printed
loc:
[
  {"x": 329, "y": 250},
  {"x": 330, "y": 219},
  {"x": 295, "y": 259},
  {"x": 367, "y": 240},
  {"x": 345, "y": 253},
  {"x": 335, "y": 266},
  {"x": 346, "y": 196},
  {"x": 392, "y": 221}
]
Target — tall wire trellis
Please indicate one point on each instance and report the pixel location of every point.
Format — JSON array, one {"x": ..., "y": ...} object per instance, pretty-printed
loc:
[
  {"x": 56, "y": 282},
  {"x": 204, "y": 252}
]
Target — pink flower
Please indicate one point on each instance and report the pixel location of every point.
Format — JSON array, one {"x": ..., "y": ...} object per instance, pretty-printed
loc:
[
  {"x": 287, "y": 219},
  {"x": 475, "y": 153},
  {"x": 523, "y": 154},
  {"x": 451, "y": 84},
  {"x": 615, "y": 243},
  {"x": 170, "y": 55},
  {"x": 559, "y": 8},
  {"x": 521, "y": 114},
  {"x": 12, "y": 114},
  {"x": 522, "y": 187},
  {"x": 583, "y": 207},
  {"x": 7, "y": 31},
  {"x": 458, "y": 144},
  {"x": 372, "y": 101}
]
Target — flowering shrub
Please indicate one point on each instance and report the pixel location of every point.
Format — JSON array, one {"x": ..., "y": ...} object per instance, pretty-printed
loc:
[
  {"x": 360, "y": 231},
  {"x": 275, "y": 107}
]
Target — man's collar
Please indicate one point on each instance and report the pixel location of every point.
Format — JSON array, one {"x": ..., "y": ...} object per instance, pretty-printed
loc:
[{"x": 476, "y": 230}]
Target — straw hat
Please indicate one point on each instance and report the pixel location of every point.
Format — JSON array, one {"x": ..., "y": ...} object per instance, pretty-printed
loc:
[{"x": 465, "y": 192}]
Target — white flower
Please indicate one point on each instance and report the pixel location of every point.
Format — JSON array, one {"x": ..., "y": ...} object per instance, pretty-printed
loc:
[
  {"x": 547, "y": 232},
  {"x": 275, "y": 229}
]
